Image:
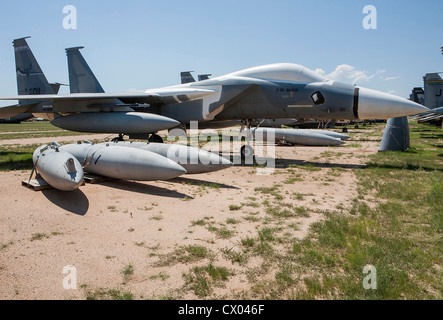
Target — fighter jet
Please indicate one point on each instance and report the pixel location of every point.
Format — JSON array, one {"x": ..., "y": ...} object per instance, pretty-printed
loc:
[{"x": 282, "y": 90}]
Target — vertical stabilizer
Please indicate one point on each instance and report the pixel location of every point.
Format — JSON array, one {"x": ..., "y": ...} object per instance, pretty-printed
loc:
[
  {"x": 202, "y": 77},
  {"x": 81, "y": 77},
  {"x": 30, "y": 77},
  {"x": 186, "y": 77}
]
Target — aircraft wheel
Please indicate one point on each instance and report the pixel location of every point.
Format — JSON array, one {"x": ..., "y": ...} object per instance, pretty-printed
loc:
[
  {"x": 117, "y": 139},
  {"x": 155, "y": 138},
  {"x": 246, "y": 151}
]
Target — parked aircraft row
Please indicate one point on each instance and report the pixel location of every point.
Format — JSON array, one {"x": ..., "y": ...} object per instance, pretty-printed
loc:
[{"x": 432, "y": 114}]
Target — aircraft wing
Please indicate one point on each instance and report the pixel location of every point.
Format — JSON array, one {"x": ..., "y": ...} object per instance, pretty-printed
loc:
[
  {"x": 10, "y": 111},
  {"x": 153, "y": 97}
]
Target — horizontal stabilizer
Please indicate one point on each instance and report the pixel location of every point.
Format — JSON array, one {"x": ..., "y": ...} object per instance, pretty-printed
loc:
[
  {"x": 202, "y": 77},
  {"x": 56, "y": 86},
  {"x": 10, "y": 111}
]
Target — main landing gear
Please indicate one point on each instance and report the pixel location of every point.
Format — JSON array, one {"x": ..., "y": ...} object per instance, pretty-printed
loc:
[
  {"x": 119, "y": 138},
  {"x": 155, "y": 138},
  {"x": 247, "y": 151}
]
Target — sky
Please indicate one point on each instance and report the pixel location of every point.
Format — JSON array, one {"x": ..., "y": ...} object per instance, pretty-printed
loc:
[{"x": 137, "y": 45}]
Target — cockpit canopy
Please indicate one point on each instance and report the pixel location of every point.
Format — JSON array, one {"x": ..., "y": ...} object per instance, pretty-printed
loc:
[{"x": 281, "y": 71}]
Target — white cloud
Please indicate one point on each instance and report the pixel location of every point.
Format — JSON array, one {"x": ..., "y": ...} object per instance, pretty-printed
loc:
[
  {"x": 320, "y": 72},
  {"x": 389, "y": 78},
  {"x": 349, "y": 74}
]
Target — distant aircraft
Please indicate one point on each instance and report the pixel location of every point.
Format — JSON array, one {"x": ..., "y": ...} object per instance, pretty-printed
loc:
[
  {"x": 433, "y": 114},
  {"x": 282, "y": 90},
  {"x": 433, "y": 98},
  {"x": 202, "y": 77},
  {"x": 433, "y": 90},
  {"x": 186, "y": 77}
]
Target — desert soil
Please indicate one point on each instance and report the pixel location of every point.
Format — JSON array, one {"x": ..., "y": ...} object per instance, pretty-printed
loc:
[{"x": 101, "y": 229}]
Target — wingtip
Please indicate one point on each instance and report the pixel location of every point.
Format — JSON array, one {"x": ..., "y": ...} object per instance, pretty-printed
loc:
[
  {"x": 23, "y": 38},
  {"x": 74, "y": 48}
]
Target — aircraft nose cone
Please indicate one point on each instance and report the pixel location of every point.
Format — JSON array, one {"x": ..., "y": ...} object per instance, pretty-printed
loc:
[{"x": 374, "y": 104}]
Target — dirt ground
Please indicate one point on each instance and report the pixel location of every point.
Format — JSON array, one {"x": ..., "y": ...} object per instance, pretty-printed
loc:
[{"x": 101, "y": 229}]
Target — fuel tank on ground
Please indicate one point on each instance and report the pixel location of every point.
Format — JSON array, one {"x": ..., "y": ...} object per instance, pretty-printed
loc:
[
  {"x": 327, "y": 133},
  {"x": 295, "y": 136},
  {"x": 124, "y": 163},
  {"x": 194, "y": 160},
  {"x": 58, "y": 168}
]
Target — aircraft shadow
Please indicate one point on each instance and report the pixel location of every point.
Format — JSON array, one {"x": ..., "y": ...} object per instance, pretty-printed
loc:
[
  {"x": 73, "y": 201},
  {"x": 403, "y": 166},
  {"x": 134, "y": 186},
  {"x": 204, "y": 183},
  {"x": 287, "y": 163}
]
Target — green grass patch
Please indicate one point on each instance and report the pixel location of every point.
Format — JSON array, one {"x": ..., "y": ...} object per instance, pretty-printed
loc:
[
  {"x": 307, "y": 167},
  {"x": 108, "y": 294},
  {"x": 35, "y": 129},
  {"x": 399, "y": 233},
  {"x": 201, "y": 280},
  {"x": 400, "y": 236},
  {"x": 184, "y": 254},
  {"x": 16, "y": 157}
]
